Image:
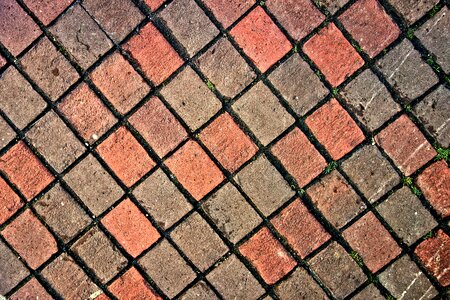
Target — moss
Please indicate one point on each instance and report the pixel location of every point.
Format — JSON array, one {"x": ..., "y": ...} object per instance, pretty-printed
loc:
[
  {"x": 210, "y": 85},
  {"x": 331, "y": 166},
  {"x": 443, "y": 153},
  {"x": 356, "y": 257}
]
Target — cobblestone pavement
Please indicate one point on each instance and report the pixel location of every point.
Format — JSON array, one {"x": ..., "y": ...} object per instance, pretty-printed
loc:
[{"x": 224, "y": 149}]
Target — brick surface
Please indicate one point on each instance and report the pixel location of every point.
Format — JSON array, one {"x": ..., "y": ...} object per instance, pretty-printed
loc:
[
  {"x": 370, "y": 292},
  {"x": 260, "y": 39},
  {"x": 154, "y": 4},
  {"x": 199, "y": 291},
  {"x": 31, "y": 290},
  {"x": 412, "y": 10},
  {"x": 9, "y": 200},
  {"x": 47, "y": 10},
  {"x": 8, "y": 133},
  {"x": 131, "y": 285},
  {"x": 333, "y": 5},
  {"x": 12, "y": 271},
  {"x": 299, "y": 285},
  {"x": 228, "y": 11}
]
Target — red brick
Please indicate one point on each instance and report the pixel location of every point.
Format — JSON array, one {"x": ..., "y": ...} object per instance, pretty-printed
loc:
[
  {"x": 302, "y": 231},
  {"x": 435, "y": 255},
  {"x": 158, "y": 126},
  {"x": 260, "y": 39},
  {"x": 132, "y": 286},
  {"x": 435, "y": 185},
  {"x": 333, "y": 54},
  {"x": 370, "y": 26},
  {"x": 154, "y": 54},
  {"x": 9, "y": 201},
  {"x": 268, "y": 256},
  {"x": 30, "y": 239},
  {"x": 125, "y": 156},
  {"x": 31, "y": 290},
  {"x": 405, "y": 145},
  {"x": 25, "y": 170},
  {"x": 154, "y": 4},
  {"x": 195, "y": 170},
  {"x": 47, "y": 10},
  {"x": 228, "y": 11},
  {"x": 299, "y": 157},
  {"x": 228, "y": 143},
  {"x": 372, "y": 241},
  {"x": 335, "y": 129},
  {"x": 130, "y": 228}
]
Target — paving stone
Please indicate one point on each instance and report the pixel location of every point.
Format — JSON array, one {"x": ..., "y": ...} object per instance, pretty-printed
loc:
[
  {"x": 228, "y": 143},
  {"x": 299, "y": 157},
  {"x": 55, "y": 141},
  {"x": 268, "y": 256},
  {"x": 12, "y": 271},
  {"x": 228, "y": 209},
  {"x": 130, "y": 228},
  {"x": 153, "y": 53},
  {"x": 260, "y": 39},
  {"x": 47, "y": 10},
  {"x": 3, "y": 61},
  {"x": 406, "y": 72},
  {"x": 333, "y": 5},
  {"x": 369, "y": 100},
  {"x": 228, "y": 11},
  {"x": 87, "y": 114},
  {"x": 435, "y": 185},
  {"x": 10, "y": 201},
  {"x": 198, "y": 241},
  {"x": 333, "y": 54},
  {"x": 263, "y": 113},
  {"x": 31, "y": 290},
  {"x": 405, "y": 145},
  {"x": 59, "y": 211},
  {"x": 370, "y": 292},
  {"x": 18, "y": 100},
  {"x": 161, "y": 199},
  {"x": 299, "y": 285},
  {"x": 302, "y": 95},
  {"x": 200, "y": 291},
  {"x": 265, "y": 186},
  {"x": 335, "y": 129},
  {"x": 49, "y": 69},
  {"x": 25, "y": 170},
  {"x": 336, "y": 199},
  {"x": 154, "y": 4},
  {"x": 370, "y": 26},
  {"x": 225, "y": 67},
  {"x": 234, "y": 281},
  {"x": 195, "y": 170},
  {"x": 301, "y": 230},
  {"x": 404, "y": 280},
  {"x": 167, "y": 268},
  {"x": 337, "y": 270},
  {"x": 371, "y": 172},
  {"x": 191, "y": 98},
  {"x": 412, "y": 10},
  {"x": 131, "y": 285},
  {"x": 17, "y": 29}
]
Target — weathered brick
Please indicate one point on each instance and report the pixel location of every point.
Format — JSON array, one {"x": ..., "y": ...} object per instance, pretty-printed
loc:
[
  {"x": 370, "y": 292},
  {"x": 8, "y": 133},
  {"x": 12, "y": 271},
  {"x": 228, "y": 11},
  {"x": 47, "y": 10},
  {"x": 412, "y": 10},
  {"x": 131, "y": 285},
  {"x": 333, "y": 5},
  {"x": 10, "y": 201},
  {"x": 299, "y": 285},
  {"x": 31, "y": 290},
  {"x": 200, "y": 291},
  {"x": 154, "y": 4}
]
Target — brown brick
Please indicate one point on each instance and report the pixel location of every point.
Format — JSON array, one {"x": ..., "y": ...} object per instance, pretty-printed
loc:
[
  {"x": 31, "y": 290},
  {"x": 8, "y": 133},
  {"x": 131, "y": 285},
  {"x": 299, "y": 285},
  {"x": 200, "y": 291},
  {"x": 228, "y": 11},
  {"x": 333, "y": 5},
  {"x": 412, "y": 10},
  {"x": 12, "y": 271},
  {"x": 10, "y": 201},
  {"x": 370, "y": 292},
  {"x": 47, "y": 10}
]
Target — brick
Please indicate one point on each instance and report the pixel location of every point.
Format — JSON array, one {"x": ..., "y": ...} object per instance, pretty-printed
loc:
[
  {"x": 336, "y": 199},
  {"x": 370, "y": 26},
  {"x": 299, "y": 157},
  {"x": 93, "y": 185},
  {"x": 30, "y": 239},
  {"x": 87, "y": 114},
  {"x": 335, "y": 129},
  {"x": 27, "y": 104},
  {"x": 167, "y": 268},
  {"x": 228, "y": 143},
  {"x": 158, "y": 126},
  {"x": 371, "y": 172},
  {"x": 370, "y": 292},
  {"x": 404, "y": 279},
  {"x": 9, "y": 201},
  {"x": 160, "y": 197},
  {"x": 125, "y": 156},
  {"x": 435, "y": 185},
  {"x": 60, "y": 211},
  {"x": 55, "y": 141},
  {"x": 405, "y": 145},
  {"x": 406, "y": 72},
  {"x": 299, "y": 285},
  {"x": 228, "y": 11},
  {"x": 260, "y": 39},
  {"x": 333, "y": 54},
  {"x": 263, "y": 113},
  {"x": 130, "y": 228},
  {"x": 8, "y": 133},
  {"x": 99, "y": 254},
  {"x": 47, "y": 10},
  {"x": 198, "y": 241},
  {"x": 49, "y": 69},
  {"x": 302, "y": 95},
  {"x": 228, "y": 209},
  {"x": 31, "y": 290},
  {"x": 12, "y": 271},
  {"x": 3, "y": 61},
  {"x": 200, "y": 291},
  {"x": 195, "y": 170},
  {"x": 120, "y": 83},
  {"x": 435, "y": 256},
  {"x": 17, "y": 29},
  {"x": 153, "y": 53},
  {"x": 234, "y": 281},
  {"x": 191, "y": 98},
  {"x": 412, "y": 10},
  {"x": 299, "y": 18},
  {"x": 372, "y": 241},
  {"x": 131, "y": 285},
  {"x": 225, "y": 68},
  {"x": 265, "y": 186},
  {"x": 268, "y": 256},
  {"x": 369, "y": 100},
  {"x": 24, "y": 169},
  {"x": 333, "y": 5}
]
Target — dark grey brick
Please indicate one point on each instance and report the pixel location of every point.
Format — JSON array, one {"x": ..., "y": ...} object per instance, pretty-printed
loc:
[
  {"x": 12, "y": 271},
  {"x": 8, "y": 133},
  {"x": 413, "y": 10},
  {"x": 369, "y": 292},
  {"x": 200, "y": 291}
]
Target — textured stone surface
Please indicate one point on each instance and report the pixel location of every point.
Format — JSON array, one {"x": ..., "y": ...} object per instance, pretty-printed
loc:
[
  {"x": 370, "y": 292},
  {"x": 333, "y": 5},
  {"x": 228, "y": 11},
  {"x": 299, "y": 285},
  {"x": 12, "y": 271},
  {"x": 8, "y": 133},
  {"x": 412, "y": 10},
  {"x": 47, "y": 10},
  {"x": 131, "y": 285},
  {"x": 199, "y": 291},
  {"x": 10, "y": 201},
  {"x": 31, "y": 290}
]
